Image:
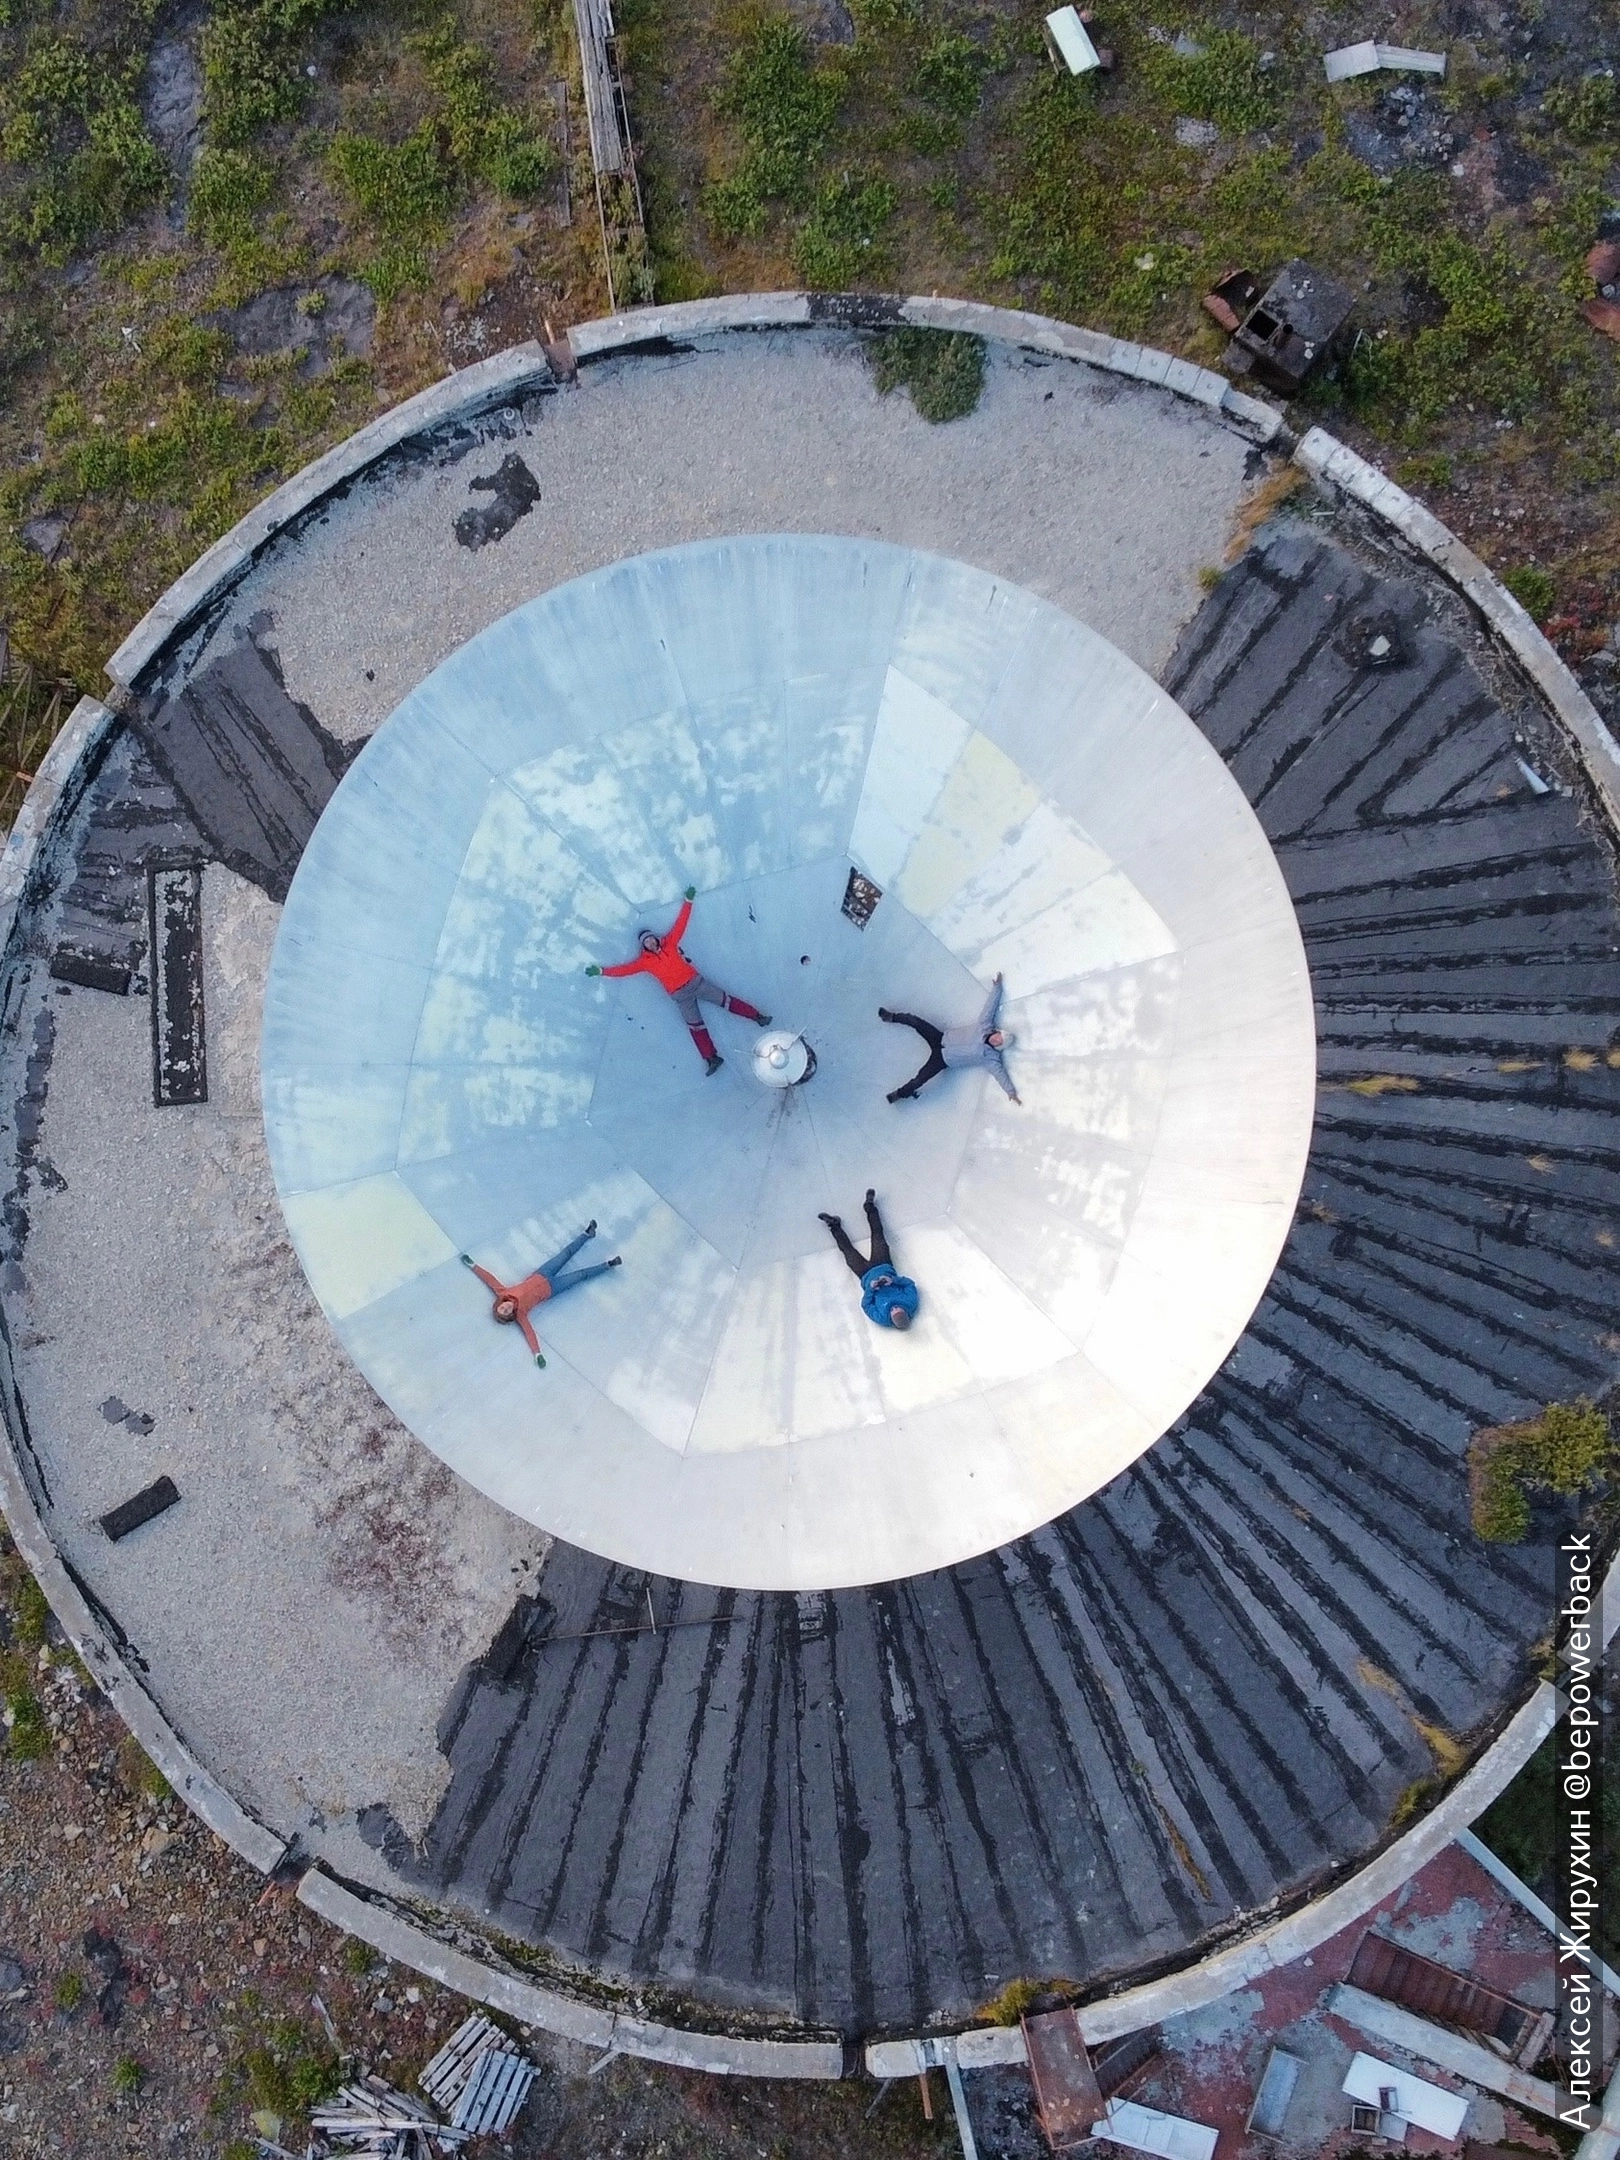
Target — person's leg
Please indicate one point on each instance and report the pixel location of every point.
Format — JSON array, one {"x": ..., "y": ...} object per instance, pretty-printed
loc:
[
  {"x": 561, "y": 1260},
  {"x": 840, "y": 1237},
  {"x": 881, "y": 1255},
  {"x": 920, "y": 1079},
  {"x": 559, "y": 1283},
  {"x": 686, "y": 1004},
  {"x": 925, "y": 1028},
  {"x": 712, "y": 994},
  {"x": 936, "y": 1051}
]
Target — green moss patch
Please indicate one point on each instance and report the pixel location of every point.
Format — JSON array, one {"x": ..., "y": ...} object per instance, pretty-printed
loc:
[
  {"x": 942, "y": 369},
  {"x": 1569, "y": 1449}
]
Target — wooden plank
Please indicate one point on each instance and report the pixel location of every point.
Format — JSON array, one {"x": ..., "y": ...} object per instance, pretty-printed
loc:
[
  {"x": 1066, "y": 2091},
  {"x": 609, "y": 149}
]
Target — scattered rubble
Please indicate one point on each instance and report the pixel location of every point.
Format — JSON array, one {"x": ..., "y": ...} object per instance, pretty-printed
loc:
[
  {"x": 1370, "y": 55},
  {"x": 1281, "y": 334}
]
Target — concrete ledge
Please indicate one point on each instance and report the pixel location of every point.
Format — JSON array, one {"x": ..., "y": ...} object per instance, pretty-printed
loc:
[
  {"x": 402, "y": 1940},
  {"x": 1387, "y": 2021},
  {"x": 205, "y": 1797},
  {"x": 1336, "y": 466},
  {"x": 1003, "y": 326},
  {"x": 1043, "y": 333},
  {"x": 688, "y": 319},
  {"x": 55, "y": 787},
  {"x": 983, "y": 2047},
  {"x": 470, "y": 391}
]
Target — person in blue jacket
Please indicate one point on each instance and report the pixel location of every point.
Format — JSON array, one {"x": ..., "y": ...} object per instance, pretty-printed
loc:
[{"x": 887, "y": 1297}]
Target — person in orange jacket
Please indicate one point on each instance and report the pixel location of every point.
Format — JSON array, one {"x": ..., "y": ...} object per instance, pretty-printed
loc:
[
  {"x": 663, "y": 960},
  {"x": 515, "y": 1301}
]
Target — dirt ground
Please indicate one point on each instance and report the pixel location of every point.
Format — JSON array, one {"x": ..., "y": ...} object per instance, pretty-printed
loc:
[
  {"x": 156, "y": 1997},
  {"x": 159, "y": 2002}
]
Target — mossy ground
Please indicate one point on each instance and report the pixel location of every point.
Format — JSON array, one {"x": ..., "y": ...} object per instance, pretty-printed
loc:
[
  {"x": 938, "y": 152},
  {"x": 412, "y": 145},
  {"x": 412, "y": 148}
]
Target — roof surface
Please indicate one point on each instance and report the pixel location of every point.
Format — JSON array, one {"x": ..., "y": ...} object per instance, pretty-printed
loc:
[{"x": 1203, "y": 1692}]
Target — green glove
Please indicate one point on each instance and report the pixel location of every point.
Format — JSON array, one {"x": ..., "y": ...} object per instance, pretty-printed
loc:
[
  {"x": 466, "y": 1259},
  {"x": 691, "y": 892},
  {"x": 593, "y": 970},
  {"x": 538, "y": 1359}
]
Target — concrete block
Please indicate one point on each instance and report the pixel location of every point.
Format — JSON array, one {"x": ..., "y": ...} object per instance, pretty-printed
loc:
[{"x": 390, "y": 1932}]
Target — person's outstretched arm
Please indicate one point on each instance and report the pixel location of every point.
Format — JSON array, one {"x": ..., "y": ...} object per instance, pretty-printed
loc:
[
  {"x": 987, "y": 1019},
  {"x": 530, "y": 1337},
  {"x": 998, "y": 1067},
  {"x": 673, "y": 935},
  {"x": 486, "y": 1278},
  {"x": 624, "y": 967}
]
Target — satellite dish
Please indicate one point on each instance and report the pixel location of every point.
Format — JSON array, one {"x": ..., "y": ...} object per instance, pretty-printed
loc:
[{"x": 757, "y": 718}]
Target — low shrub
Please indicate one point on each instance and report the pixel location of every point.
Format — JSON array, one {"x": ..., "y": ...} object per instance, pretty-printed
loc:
[
  {"x": 942, "y": 369},
  {"x": 948, "y": 75},
  {"x": 31, "y": 1613},
  {"x": 1533, "y": 589},
  {"x": 785, "y": 105}
]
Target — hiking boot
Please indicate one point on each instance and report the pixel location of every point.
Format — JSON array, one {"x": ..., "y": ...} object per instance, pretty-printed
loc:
[
  {"x": 590, "y": 1227},
  {"x": 616, "y": 1261},
  {"x": 833, "y": 1222},
  {"x": 712, "y": 1065},
  {"x": 763, "y": 1019}
]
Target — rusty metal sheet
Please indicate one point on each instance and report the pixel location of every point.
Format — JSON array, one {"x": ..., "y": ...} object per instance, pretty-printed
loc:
[{"x": 1066, "y": 2089}]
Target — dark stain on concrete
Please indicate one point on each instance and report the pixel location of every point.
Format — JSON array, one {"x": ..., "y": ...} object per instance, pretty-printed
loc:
[{"x": 513, "y": 491}]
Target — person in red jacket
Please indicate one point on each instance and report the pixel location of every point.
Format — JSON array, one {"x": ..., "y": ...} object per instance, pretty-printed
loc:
[
  {"x": 663, "y": 960},
  {"x": 515, "y": 1301}
]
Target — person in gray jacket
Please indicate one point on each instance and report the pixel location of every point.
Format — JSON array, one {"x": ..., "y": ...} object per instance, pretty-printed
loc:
[{"x": 981, "y": 1042}]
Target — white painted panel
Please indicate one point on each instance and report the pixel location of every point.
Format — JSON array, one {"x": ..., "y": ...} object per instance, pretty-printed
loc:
[
  {"x": 985, "y": 798},
  {"x": 360, "y": 1241},
  {"x": 959, "y": 631},
  {"x": 448, "y": 1108},
  {"x": 662, "y": 762},
  {"x": 645, "y": 1333},
  {"x": 835, "y": 1375},
  {"x": 1417, "y": 2100},
  {"x": 748, "y": 1398},
  {"x": 584, "y": 794},
  {"x": 1045, "y": 860},
  {"x": 997, "y": 1332},
  {"x": 916, "y": 742},
  {"x": 330, "y": 1124},
  {"x": 569, "y": 918}
]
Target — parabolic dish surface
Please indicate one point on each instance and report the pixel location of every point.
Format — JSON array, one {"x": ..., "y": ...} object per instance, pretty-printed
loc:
[{"x": 754, "y": 717}]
